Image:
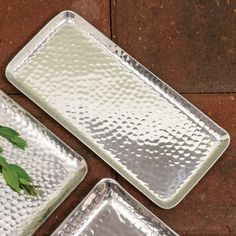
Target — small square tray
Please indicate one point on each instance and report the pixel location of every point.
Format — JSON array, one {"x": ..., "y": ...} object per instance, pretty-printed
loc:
[
  {"x": 145, "y": 130},
  {"x": 53, "y": 166},
  {"x": 109, "y": 210}
]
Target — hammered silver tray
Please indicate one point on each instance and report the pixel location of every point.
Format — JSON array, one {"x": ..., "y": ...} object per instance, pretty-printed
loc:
[
  {"x": 108, "y": 210},
  {"x": 145, "y": 130},
  {"x": 53, "y": 166}
]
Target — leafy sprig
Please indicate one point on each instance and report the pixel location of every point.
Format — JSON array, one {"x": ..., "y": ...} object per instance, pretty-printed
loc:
[
  {"x": 13, "y": 136},
  {"x": 14, "y": 175}
]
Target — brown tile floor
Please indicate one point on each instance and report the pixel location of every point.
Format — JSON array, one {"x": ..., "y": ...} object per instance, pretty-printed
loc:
[{"x": 191, "y": 45}]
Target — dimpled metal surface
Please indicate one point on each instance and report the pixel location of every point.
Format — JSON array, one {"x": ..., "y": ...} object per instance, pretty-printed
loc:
[
  {"x": 55, "y": 169},
  {"x": 129, "y": 117},
  {"x": 110, "y": 210}
]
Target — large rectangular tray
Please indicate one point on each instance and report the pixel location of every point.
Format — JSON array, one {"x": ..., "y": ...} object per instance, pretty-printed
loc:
[
  {"x": 109, "y": 210},
  {"x": 145, "y": 130},
  {"x": 53, "y": 166}
]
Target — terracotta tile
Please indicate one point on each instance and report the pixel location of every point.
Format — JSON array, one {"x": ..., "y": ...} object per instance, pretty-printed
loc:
[{"x": 188, "y": 44}]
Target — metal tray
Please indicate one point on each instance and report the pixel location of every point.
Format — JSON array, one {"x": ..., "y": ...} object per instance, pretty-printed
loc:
[
  {"x": 145, "y": 130},
  {"x": 55, "y": 168},
  {"x": 109, "y": 210}
]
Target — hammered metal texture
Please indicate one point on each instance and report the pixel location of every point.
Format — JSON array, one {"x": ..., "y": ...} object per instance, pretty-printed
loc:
[
  {"x": 110, "y": 210},
  {"x": 53, "y": 167},
  {"x": 132, "y": 120}
]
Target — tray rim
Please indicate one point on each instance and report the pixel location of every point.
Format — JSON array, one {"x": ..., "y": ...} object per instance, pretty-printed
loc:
[
  {"x": 112, "y": 182},
  {"x": 55, "y": 205},
  {"x": 74, "y": 18}
]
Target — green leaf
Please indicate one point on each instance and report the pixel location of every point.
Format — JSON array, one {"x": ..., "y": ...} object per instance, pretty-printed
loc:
[
  {"x": 21, "y": 173},
  {"x": 19, "y": 142},
  {"x": 28, "y": 188},
  {"x": 13, "y": 137},
  {"x": 9, "y": 130},
  {"x": 24, "y": 182},
  {"x": 14, "y": 175},
  {"x": 3, "y": 163},
  {"x": 11, "y": 178},
  {"x": 5, "y": 133}
]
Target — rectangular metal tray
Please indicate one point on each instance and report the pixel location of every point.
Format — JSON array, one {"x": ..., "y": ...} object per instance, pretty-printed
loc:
[
  {"x": 109, "y": 210},
  {"x": 53, "y": 166},
  {"x": 145, "y": 130}
]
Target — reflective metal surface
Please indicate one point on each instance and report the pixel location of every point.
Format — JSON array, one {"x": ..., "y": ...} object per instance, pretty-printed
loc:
[
  {"x": 145, "y": 130},
  {"x": 110, "y": 210},
  {"x": 54, "y": 167}
]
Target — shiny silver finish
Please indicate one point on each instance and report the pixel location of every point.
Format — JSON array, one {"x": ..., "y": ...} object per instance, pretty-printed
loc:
[
  {"x": 110, "y": 210},
  {"x": 54, "y": 167},
  {"x": 145, "y": 130}
]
